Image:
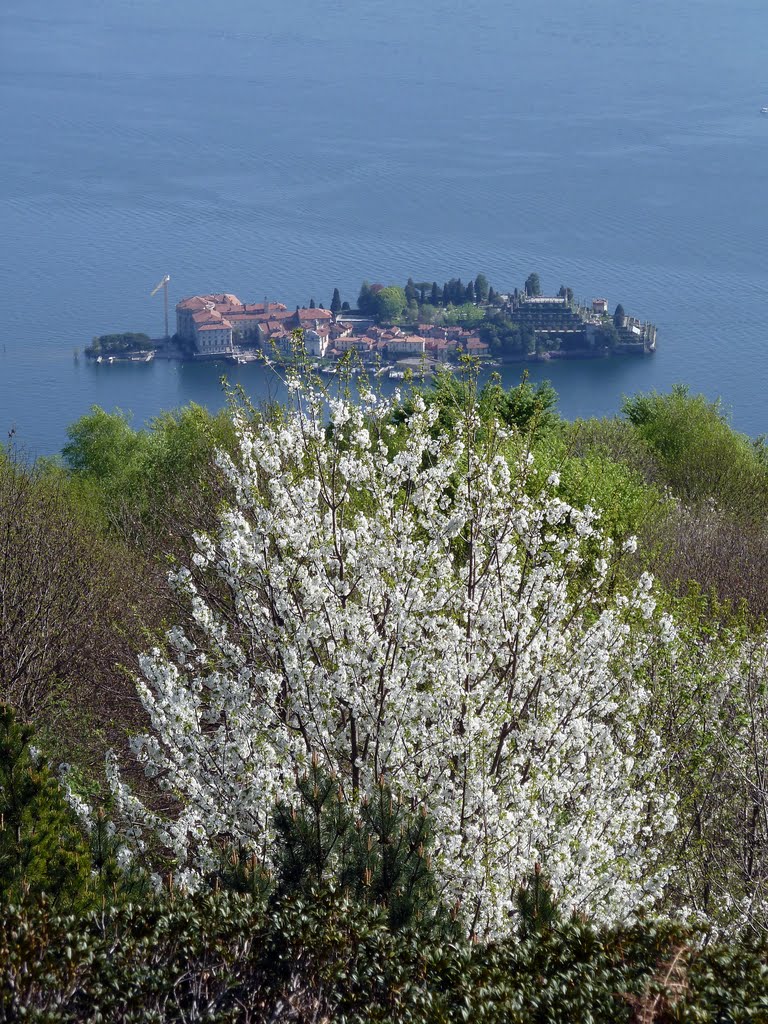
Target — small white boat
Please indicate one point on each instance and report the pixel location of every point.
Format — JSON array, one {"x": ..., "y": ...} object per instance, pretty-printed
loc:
[{"x": 764, "y": 110}]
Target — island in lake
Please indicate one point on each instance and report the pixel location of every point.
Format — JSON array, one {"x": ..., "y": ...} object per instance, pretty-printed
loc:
[{"x": 420, "y": 323}]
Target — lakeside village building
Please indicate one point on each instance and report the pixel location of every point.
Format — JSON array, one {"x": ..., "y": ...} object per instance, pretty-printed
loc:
[
  {"x": 221, "y": 326},
  {"x": 218, "y": 326}
]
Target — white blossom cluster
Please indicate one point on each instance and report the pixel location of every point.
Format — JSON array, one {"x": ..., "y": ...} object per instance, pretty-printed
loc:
[{"x": 406, "y": 603}]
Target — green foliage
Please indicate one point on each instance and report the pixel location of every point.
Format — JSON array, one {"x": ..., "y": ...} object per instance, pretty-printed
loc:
[
  {"x": 423, "y": 301},
  {"x": 466, "y": 315},
  {"x": 324, "y": 956},
  {"x": 594, "y": 477},
  {"x": 45, "y": 851},
  {"x": 389, "y": 303},
  {"x": 41, "y": 847},
  {"x": 532, "y": 285},
  {"x": 700, "y": 454},
  {"x": 366, "y": 298},
  {"x": 336, "y": 302},
  {"x": 606, "y": 336},
  {"x": 380, "y": 853},
  {"x": 153, "y": 479},
  {"x": 529, "y": 408},
  {"x": 507, "y": 338},
  {"x": 537, "y": 910},
  {"x": 119, "y": 344},
  {"x": 618, "y": 316},
  {"x": 352, "y": 928},
  {"x": 481, "y": 288},
  {"x": 428, "y": 314},
  {"x": 101, "y": 444}
]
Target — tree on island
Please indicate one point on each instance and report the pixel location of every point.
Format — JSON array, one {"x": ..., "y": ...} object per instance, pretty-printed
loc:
[
  {"x": 364, "y": 298},
  {"x": 312, "y": 304},
  {"x": 532, "y": 285},
  {"x": 366, "y": 301},
  {"x": 434, "y": 299},
  {"x": 610, "y": 335},
  {"x": 119, "y": 344},
  {"x": 566, "y": 293},
  {"x": 618, "y": 316},
  {"x": 335, "y": 302},
  {"x": 389, "y": 303},
  {"x": 481, "y": 288}
]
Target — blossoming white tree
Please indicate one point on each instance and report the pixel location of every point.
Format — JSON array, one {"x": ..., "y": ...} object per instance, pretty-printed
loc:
[{"x": 410, "y": 604}]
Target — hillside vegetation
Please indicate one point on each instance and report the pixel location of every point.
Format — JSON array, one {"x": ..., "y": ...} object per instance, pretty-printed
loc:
[{"x": 437, "y": 708}]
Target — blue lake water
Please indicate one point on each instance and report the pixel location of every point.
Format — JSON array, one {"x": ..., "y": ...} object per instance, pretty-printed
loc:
[{"x": 282, "y": 150}]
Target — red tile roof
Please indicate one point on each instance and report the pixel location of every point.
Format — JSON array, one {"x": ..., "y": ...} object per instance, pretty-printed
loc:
[{"x": 313, "y": 314}]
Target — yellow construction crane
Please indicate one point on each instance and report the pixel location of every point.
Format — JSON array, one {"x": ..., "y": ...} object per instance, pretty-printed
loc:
[{"x": 164, "y": 285}]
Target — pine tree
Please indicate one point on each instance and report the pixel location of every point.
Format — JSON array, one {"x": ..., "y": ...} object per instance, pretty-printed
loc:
[
  {"x": 335, "y": 302},
  {"x": 42, "y": 849},
  {"x": 469, "y": 294},
  {"x": 532, "y": 285},
  {"x": 618, "y": 316},
  {"x": 434, "y": 298},
  {"x": 312, "y": 304},
  {"x": 536, "y": 906},
  {"x": 380, "y": 853},
  {"x": 365, "y": 299}
]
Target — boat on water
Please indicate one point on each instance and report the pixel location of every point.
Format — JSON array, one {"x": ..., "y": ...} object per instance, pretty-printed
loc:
[{"x": 764, "y": 110}]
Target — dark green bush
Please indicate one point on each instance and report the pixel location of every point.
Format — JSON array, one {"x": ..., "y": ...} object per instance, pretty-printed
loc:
[{"x": 321, "y": 955}]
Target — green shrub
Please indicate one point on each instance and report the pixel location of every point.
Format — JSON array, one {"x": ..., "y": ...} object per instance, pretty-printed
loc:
[
  {"x": 42, "y": 849},
  {"x": 323, "y": 956}
]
